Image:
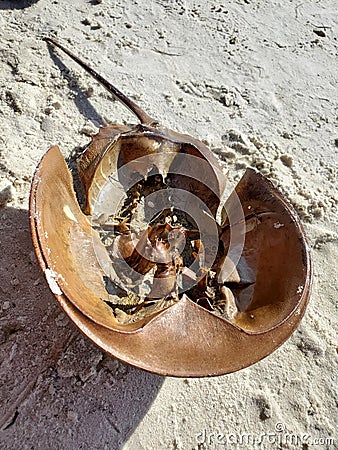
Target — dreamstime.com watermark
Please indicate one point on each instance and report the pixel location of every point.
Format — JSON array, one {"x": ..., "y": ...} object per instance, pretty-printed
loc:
[{"x": 279, "y": 436}]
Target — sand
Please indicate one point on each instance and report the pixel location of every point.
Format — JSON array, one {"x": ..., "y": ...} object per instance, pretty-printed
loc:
[{"x": 258, "y": 82}]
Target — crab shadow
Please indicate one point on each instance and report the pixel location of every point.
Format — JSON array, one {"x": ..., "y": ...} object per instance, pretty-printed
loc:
[
  {"x": 56, "y": 387},
  {"x": 81, "y": 98},
  {"x": 16, "y": 4}
]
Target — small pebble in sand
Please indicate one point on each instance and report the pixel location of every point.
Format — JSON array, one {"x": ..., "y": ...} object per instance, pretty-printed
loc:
[
  {"x": 88, "y": 130},
  {"x": 318, "y": 212},
  {"x": 287, "y": 135},
  {"x": 6, "y": 305},
  {"x": 86, "y": 22},
  {"x": 7, "y": 192},
  {"x": 286, "y": 160},
  {"x": 89, "y": 91},
  {"x": 48, "y": 110},
  {"x": 57, "y": 105},
  {"x": 228, "y": 154}
]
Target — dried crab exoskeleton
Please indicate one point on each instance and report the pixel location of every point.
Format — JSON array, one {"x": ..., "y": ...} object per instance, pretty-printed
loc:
[{"x": 154, "y": 268}]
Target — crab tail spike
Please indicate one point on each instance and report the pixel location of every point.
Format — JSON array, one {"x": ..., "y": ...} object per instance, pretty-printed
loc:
[{"x": 139, "y": 113}]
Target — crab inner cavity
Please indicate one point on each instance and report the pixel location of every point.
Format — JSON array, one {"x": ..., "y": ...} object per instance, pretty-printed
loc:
[{"x": 158, "y": 252}]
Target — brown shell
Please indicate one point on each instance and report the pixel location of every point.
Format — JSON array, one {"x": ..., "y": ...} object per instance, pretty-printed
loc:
[{"x": 185, "y": 339}]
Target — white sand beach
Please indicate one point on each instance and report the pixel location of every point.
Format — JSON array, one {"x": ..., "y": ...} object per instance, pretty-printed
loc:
[{"x": 258, "y": 82}]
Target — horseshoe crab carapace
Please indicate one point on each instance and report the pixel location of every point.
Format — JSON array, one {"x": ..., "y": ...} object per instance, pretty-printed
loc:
[{"x": 154, "y": 268}]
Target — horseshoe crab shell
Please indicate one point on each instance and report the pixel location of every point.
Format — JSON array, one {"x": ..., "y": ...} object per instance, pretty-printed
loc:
[{"x": 266, "y": 288}]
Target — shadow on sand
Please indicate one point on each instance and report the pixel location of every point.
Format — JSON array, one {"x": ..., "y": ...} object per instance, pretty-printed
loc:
[
  {"x": 57, "y": 389},
  {"x": 16, "y": 4},
  {"x": 81, "y": 98}
]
